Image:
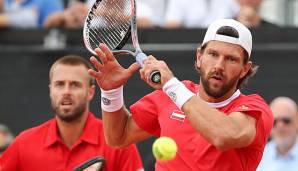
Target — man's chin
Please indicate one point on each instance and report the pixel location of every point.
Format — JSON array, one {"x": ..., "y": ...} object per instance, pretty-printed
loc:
[
  {"x": 67, "y": 118},
  {"x": 67, "y": 115},
  {"x": 215, "y": 92}
]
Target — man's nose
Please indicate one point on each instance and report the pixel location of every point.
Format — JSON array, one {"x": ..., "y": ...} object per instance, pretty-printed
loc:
[
  {"x": 219, "y": 64},
  {"x": 67, "y": 89}
]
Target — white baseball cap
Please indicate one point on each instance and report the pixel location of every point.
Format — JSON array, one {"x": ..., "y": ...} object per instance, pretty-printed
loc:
[{"x": 244, "y": 39}]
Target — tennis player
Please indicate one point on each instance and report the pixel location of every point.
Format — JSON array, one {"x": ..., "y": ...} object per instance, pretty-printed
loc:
[
  {"x": 216, "y": 127},
  {"x": 75, "y": 135}
]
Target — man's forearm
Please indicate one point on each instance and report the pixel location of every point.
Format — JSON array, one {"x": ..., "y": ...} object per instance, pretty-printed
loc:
[{"x": 115, "y": 126}]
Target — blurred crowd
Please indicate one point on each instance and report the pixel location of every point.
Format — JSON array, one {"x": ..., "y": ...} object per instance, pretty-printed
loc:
[{"x": 151, "y": 13}]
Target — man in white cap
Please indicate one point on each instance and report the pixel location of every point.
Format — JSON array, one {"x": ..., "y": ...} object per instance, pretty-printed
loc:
[{"x": 215, "y": 126}]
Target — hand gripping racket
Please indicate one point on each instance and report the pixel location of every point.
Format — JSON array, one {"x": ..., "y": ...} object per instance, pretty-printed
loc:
[{"x": 112, "y": 22}]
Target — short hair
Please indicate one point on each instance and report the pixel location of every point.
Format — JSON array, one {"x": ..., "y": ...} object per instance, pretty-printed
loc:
[
  {"x": 73, "y": 60},
  {"x": 229, "y": 31}
]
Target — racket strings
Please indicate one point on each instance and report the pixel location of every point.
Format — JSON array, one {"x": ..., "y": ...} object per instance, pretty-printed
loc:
[
  {"x": 115, "y": 33},
  {"x": 110, "y": 23}
]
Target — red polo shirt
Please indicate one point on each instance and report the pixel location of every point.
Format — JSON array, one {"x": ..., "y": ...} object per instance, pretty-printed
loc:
[
  {"x": 158, "y": 115},
  {"x": 41, "y": 148}
]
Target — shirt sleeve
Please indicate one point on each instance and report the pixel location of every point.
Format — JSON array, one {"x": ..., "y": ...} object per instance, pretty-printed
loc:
[
  {"x": 145, "y": 112},
  {"x": 10, "y": 158},
  {"x": 256, "y": 107}
]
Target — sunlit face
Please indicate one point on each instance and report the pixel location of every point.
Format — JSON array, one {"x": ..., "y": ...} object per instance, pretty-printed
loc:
[
  {"x": 221, "y": 66},
  {"x": 285, "y": 127},
  {"x": 70, "y": 91}
]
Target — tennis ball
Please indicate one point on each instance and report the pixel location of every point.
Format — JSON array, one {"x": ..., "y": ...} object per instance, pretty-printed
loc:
[{"x": 164, "y": 149}]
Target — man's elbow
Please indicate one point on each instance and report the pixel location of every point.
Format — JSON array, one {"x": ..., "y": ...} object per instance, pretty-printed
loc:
[{"x": 115, "y": 142}]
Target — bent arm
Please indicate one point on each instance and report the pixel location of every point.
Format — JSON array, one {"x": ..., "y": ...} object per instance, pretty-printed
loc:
[
  {"x": 235, "y": 130},
  {"x": 120, "y": 129}
]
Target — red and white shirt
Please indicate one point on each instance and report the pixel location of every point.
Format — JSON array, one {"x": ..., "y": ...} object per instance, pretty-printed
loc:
[{"x": 158, "y": 115}]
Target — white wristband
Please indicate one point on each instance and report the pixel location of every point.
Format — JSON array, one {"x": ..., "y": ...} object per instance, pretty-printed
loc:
[
  {"x": 177, "y": 91},
  {"x": 112, "y": 100}
]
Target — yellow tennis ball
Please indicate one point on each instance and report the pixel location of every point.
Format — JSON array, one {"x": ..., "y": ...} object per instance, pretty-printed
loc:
[{"x": 164, "y": 149}]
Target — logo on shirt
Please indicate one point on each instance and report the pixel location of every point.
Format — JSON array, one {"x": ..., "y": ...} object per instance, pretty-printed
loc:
[
  {"x": 178, "y": 115},
  {"x": 243, "y": 107}
]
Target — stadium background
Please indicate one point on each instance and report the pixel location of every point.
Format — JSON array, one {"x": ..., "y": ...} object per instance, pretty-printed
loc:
[{"x": 26, "y": 57}]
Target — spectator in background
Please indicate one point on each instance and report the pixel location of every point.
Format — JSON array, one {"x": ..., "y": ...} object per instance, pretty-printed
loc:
[
  {"x": 281, "y": 153},
  {"x": 74, "y": 135},
  {"x": 249, "y": 14},
  {"x": 150, "y": 13},
  {"x": 6, "y": 138},
  {"x": 72, "y": 17},
  {"x": 27, "y": 13},
  {"x": 198, "y": 13}
]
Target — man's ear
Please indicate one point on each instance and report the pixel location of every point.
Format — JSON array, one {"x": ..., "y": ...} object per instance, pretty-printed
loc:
[
  {"x": 198, "y": 59},
  {"x": 91, "y": 92},
  {"x": 50, "y": 90},
  {"x": 246, "y": 69}
]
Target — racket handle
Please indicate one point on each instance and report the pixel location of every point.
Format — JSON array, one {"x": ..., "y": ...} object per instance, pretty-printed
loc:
[
  {"x": 140, "y": 58},
  {"x": 155, "y": 75}
]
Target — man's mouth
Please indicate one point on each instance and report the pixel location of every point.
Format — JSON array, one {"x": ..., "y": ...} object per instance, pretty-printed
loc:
[
  {"x": 66, "y": 102},
  {"x": 217, "y": 77}
]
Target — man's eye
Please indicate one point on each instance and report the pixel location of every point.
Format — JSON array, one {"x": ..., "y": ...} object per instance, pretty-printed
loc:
[
  {"x": 232, "y": 59},
  {"x": 76, "y": 85},
  {"x": 59, "y": 84}
]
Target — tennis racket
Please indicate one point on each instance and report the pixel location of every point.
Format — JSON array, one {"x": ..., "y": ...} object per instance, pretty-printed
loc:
[
  {"x": 94, "y": 164},
  {"x": 113, "y": 22}
]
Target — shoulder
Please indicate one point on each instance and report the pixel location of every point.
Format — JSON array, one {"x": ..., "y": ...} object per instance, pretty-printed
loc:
[
  {"x": 255, "y": 106},
  {"x": 34, "y": 132},
  {"x": 253, "y": 99}
]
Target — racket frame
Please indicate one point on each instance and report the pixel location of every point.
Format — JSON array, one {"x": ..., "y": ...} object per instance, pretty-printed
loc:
[{"x": 132, "y": 31}]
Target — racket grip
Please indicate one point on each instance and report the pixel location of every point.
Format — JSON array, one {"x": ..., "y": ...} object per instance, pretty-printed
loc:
[
  {"x": 155, "y": 75},
  {"x": 140, "y": 58}
]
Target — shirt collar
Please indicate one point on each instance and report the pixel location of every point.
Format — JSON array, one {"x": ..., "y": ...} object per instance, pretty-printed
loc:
[
  {"x": 91, "y": 128},
  {"x": 225, "y": 102}
]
